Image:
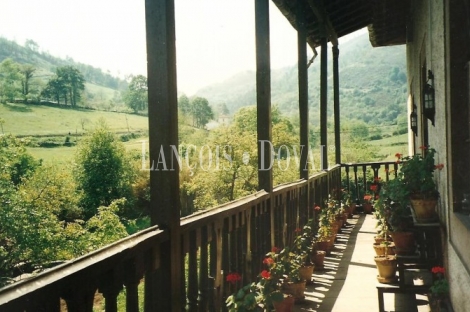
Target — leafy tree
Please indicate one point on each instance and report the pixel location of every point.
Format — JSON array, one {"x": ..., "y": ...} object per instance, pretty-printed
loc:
[
  {"x": 136, "y": 97},
  {"x": 74, "y": 82},
  {"x": 9, "y": 80},
  {"x": 105, "y": 227},
  {"x": 55, "y": 89},
  {"x": 234, "y": 173},
  {"x": 27, "y": 71},
  {"x": 103, "y": 170},
  {"x": 201, "y": 111},
  {"x": 15, "y": 162},
  {"x": 67, "y": 84},
  {"x": 184, "y": 104},
  {"x": 31, "y": 45}
]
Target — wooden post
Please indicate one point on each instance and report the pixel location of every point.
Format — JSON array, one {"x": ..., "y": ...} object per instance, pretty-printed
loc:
[
  {"x": 303, "y": 113},
  {"x": 323, "y": 103},
  {"x": 336, "y": 104},
  {"x": 163, "y": 136},
  {"x": 303, "y": 91},
  {"x": 263, "y": 95}
]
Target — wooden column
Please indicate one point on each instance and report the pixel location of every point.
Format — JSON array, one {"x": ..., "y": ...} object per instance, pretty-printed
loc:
[
  {"x": 303, "y": 91},
  {"x": 263, "y": 95},
  {"x": 336, "y": 104},
  {"x": 162, "y": 288},
  {"x": 323, "y": 103}
]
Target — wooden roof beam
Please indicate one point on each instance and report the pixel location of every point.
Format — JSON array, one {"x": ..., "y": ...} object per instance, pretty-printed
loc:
[{"x": 324, "y": 19}]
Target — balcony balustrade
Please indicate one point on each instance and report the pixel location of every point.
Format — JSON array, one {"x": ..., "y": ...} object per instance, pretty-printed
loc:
[{"x": 233, "y": 237}]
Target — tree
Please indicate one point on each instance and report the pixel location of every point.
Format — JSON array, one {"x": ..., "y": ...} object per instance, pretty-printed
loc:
[
  {"x": 55, "y": 89},
  {"x": 9, "y": 80},
  {"x": 27, "y": 70},
  {"x": 201, "y": 111},
  {"x": 74, "y": 82},
  {"x": 103, "y": 170},
  {"x": 136, "y": 97},
  {"x": 31, "y": 45},
  {"x": 67, "y": 83},
  {"x": 184, "y": 105}
]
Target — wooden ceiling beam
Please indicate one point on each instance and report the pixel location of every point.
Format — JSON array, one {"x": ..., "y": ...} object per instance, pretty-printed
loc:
[{"x": 323, "y": 18}]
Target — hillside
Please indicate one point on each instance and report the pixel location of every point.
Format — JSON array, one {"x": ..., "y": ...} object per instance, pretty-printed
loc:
[
  {"x": 372, "y": 85},
  {"x": 102, "y": 89}
]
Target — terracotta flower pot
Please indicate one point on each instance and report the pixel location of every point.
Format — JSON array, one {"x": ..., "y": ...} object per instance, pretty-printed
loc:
[
  {"x": 286, "y": 305},
  {"x": 381, "y": 249},
  {"x": 324, "y": 246},
  {"x": 404, "y": 243},
  {"x": 319, "y": 259},
  {"x": 425, "y": 209},
  {"x": 387, "y": 268},
  {"x": 306, "y": 273},
  {"x": 367, "y": 207},
  {"x": 295, "y": 289}
]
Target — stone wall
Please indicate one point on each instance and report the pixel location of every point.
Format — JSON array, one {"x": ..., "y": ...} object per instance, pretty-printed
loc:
[{"x": 429, "y": 47}]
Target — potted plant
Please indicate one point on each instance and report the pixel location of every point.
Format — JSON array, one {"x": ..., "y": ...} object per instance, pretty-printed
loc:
[
  {"x": 293, "y": 283},
  {"x": 367, "y": 203},
  {"x": 394, "y": 199},
  {"x": 302, "y": 247},
  {"x": 270, "y": 280},
  {"x": 417, "y": 175},
  {"x": 386, "y": 263},
  {"x": 244, "y": 299},
  {"x": 439, "y": 291}
]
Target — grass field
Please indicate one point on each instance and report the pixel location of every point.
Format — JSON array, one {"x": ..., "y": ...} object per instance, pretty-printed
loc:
[
  {"x": 40, "y": 120},
  {"x": 388, "y": 147}
]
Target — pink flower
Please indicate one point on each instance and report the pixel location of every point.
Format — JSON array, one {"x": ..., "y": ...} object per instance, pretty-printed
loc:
[{"x": 268, "y": 261}]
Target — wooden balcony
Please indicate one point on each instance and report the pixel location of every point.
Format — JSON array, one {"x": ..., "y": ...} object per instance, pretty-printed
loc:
[{"x": 230, "y": 238}]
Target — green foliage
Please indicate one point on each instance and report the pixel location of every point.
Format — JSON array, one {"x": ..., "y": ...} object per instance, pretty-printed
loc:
[
  {"x": 15, "y": 162},
  {"x": 201, "y": 111},
  {"x": 105, "y": 227},
  {"x": 136, "y": 97},
  {"x": 245, "y": 299},
  {"x": 416, "y": 173},
  {"x": 103, "y": 171},
  {"x": 9, "y": 80}
]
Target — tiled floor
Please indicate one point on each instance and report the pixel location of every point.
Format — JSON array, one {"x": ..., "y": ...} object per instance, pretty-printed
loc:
[{"x": 348, "y": 282}]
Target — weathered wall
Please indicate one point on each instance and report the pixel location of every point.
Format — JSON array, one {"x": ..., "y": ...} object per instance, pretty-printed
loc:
[{"x": 429, "y": 47}]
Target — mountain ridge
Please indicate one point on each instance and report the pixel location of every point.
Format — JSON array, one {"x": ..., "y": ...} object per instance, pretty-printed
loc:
[{"x": 373, "y": 85}]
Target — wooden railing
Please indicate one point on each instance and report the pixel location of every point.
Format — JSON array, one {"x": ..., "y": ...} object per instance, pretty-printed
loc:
[
  {"x": 230, "y": 238},
  {"x": 358, "y": 175}
]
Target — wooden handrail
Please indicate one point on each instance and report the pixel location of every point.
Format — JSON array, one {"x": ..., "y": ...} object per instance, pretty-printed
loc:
[{"x": 233, "y": 237}]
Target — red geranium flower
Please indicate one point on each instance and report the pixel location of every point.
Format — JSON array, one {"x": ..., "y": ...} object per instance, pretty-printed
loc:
[
  {"x": 398, "y": 155},
  {"x": 265, "y": 274},
  {"x": 373, "y": 188},
  {"x": 317, "y": 207},
  {"x": 438, "y": 269},
  {"x": 268, "y": 261},
  {"x": 233, "y": 278},
  {"x": 275, "y": 249},
  {"x": 439, "y": 166}
]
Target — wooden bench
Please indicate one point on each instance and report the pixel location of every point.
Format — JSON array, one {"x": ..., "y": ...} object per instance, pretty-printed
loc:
[{"x": 397, "y": 289}]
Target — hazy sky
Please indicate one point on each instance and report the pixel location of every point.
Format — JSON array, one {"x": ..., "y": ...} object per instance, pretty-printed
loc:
[{"x": 215, "y": 38}]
